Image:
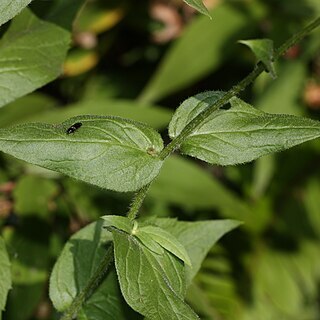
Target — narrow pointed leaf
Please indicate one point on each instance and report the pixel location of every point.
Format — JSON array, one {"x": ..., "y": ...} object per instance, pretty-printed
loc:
[
  {"x": 197, "y": 238},
  {"x": 31, "y": 55},
  {"x": 198, "y": 5},
  {"x": 9, "y": 8},
  {"x": 263, "y": 50},
  {"x": 243, "y": 133},
  {"x": 5, "y": 275},
  {"x": 147, "y": 241},
  {"x": 121, "y": 223},
  {"x": 168, "y": 242},
  {"x": 152, "y": 284},
  {"x": 109, "y": 152}
]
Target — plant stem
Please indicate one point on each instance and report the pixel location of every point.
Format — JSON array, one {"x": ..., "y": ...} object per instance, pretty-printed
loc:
[
  {"x": 91, "y": 286},
  {"x": 296, "y": 38},
  {"x": 99, "y": 274},
  {"x": 137, "y": 202},
  {"x": 192, "y": 125}
]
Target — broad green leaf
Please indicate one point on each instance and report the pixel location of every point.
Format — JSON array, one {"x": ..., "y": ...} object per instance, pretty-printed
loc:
[
  {"x": 9, "y": 8},
  {"x": 243, "y": 133},
  {"x": 5, "y": 275},
  {"x": 204, "y": 45},
  {"x": 198, "y": 5},
  {"x": 168, "y": 242},
  {"x": 197, "y": 238},
  {"x": 190, "y": 108},
  {"x": 109, "y": 152},
  {"x": 121, "y": 223},
  {"x": 154, "y": 116},
  {"x": 263, "y": 50},
  {"x": 31, "y": 55},
  {"x": 78, "y": 261},
  {"x": 152, "y": 284}
]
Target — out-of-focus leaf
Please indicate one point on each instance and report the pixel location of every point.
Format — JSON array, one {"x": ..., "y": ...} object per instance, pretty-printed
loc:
[
  {"x": 5, "y": 275},
  {"x": 23, "y": 301},
  {"x": 199, "y": 51},
  {"x": 154, "y": 116},
  {"x": 25, "y": 107},
  {"x": 197, "y": 238},
  {"x": 30, "y": 256},
  {"x": 198, "y": 5},
  {"x": 282, "y": 95},
  {"x": 72, "y": 271},
  {"x": 64, "y": 12},
  {"x": 152, "y": 284},
  {"x": 183, "y": 183},
  {"x": 31, "y": 55},
  {"x": 263, "y": 50},
  {"x": 79, "y": 61},
  {"x": 9, "y": 8},
  {"x": 109, "y": 152},
  {"x": 311, "y": 202},
  {"x": 35, "y": 202},
  {"x": 243, "y": 133},
  {"x": 96, "y": 19},
  {"x": 168, "y": 242}
]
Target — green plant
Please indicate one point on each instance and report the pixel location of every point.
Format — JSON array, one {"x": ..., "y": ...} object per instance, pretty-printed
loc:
[{"x": 155, "y": 258}]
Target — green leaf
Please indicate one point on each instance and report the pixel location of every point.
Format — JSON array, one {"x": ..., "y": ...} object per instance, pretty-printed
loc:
[
  {"x": 243, "y": 133},
  {"x": 149, "y": 242},
  {"x": 263, "y": 50},
  {"x": 31, "y": 55},
  {"x": 198, "y": 5},
  {"x": 152, "y": 284},
  {"x": 183, "y": 64},
  {"x": 5, "y": 275},
  {"x": 78, "y": 261},
  {"x": 190, "y": 108},
  {"x": 168, "y": 242},
  {"x": 197, "y": 238},
  {"x": 109, "y": 152},
  {"x": 121, "y": 223},
  {"x": 9, "y": 8}
]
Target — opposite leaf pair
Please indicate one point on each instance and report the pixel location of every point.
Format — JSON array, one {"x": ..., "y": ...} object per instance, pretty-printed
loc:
[{"x": 124, "y": 155}]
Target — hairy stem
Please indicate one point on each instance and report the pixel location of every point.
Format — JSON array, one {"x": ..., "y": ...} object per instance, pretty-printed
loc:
[
  {"x": 91, "y": 286},
  {"x": 192, "y": 125},
  {"x": 99, "y": 275},
  {"x": 137, "y": 202}
]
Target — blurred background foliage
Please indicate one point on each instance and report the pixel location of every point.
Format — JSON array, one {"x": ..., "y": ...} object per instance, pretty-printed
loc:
[{"x": 140, "y": 60}]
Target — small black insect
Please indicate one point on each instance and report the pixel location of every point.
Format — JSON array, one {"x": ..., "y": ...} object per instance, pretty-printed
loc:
[{"x": 74, "y": 127}]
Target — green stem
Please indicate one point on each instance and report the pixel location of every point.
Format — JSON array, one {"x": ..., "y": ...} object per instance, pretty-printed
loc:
[
  {"x": 191, "y": 126},
  {"x": 99, "y": 275},
  {"x": 91, "y": 286},
  {"x": 137, "y": 202}
]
